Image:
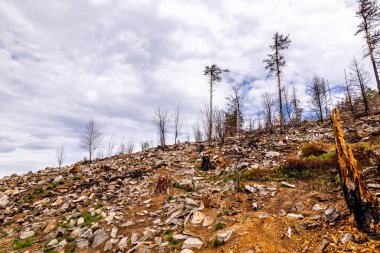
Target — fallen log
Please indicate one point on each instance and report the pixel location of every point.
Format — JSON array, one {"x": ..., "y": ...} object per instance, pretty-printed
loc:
[{"x": 360, "y": 202}]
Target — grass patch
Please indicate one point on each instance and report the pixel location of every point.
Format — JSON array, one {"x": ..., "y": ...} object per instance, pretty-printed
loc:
[
  {"x": 216, "y": 242},
  {"x": 315, "y": 149},
  {"x": 97, "y": 206},
  {"x": 218, "y": 226},
  {"x": 170, "y": 198},
  {"x": 20, "y": 244},
  {"x": 88, "y": 219},
  {"x": 258, "y": 174}
]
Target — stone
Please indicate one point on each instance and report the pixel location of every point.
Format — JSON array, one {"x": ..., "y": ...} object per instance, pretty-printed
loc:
[
  {"x": 208, "y": 221},
  {"x": 85, "y": 233},
  {"x": 192, "y": 243},
  {"x": 250, "y": 189},
  {"x": 62, "y": 244},
  {"x": 332, "y": 214},
  {"x": 4, "y": 200},
  {"x": 180, "y": 237},
  {"x": 75, "y": 232},
  {"x": 295, "y": 216},
  {"x": 285, "y": 184},
  {"x": 190, "y": 202},
  {"x": 82, "y": 243},
  {"x": 225, "y": 235},
  {"x": 317, "y": 207},
  {"x": 197, "y": 217},
  {"x": 127, "y": 224},
  {"x": 263, "y": 215},
  {"x": 107, "y": 246},
  {"x": 298, "y": 207},
  {"x": 114, "y": 232},
  {"x": 281, "y": 213},
  {"x": 346, "y": 238},
  {"x": 26, "y": 234},
  {"x": 186, "y": 251},
  {"x": 322, "y": 246},
  {"x": 271, "y": 154},
  {"x": 52, "y": 243},
  {"x": 98, "y": 238},
  {"x": 134, "y": 238},
  {"x": 123, "y": 243},
  {"x": 80, "y": 221},
  {"x": 52, "y": 225}
]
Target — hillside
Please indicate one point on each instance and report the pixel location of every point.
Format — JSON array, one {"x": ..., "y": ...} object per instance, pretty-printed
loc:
[{"x": 112, "y": 205}]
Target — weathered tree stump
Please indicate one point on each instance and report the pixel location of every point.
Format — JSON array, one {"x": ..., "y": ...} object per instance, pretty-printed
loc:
[
  {"x": 163, "y": 185},
  {"x": 206, "y": 164},
  {"x": 361, "y": 203}
]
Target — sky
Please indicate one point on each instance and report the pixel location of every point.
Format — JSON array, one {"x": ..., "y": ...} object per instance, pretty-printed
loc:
[{"x": 64, "y": 63}]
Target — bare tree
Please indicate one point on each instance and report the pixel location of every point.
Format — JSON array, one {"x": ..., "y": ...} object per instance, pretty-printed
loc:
[
  {"x": 145, "y": 145},
  {"x": 360, "y": 78},
  {"x": 160, "y": 122},
  {"x": 205, "y": 120},
  {"x": 197, "y": 133},
  {"x": 177, "y": 124},
  {"x": 369, "y": 13},
  {"x": 349, "y": 94},
  {"x": 220, "y": 129},
  {"x": 275, "y": 62},
  {"x": 235, "y": 101},
  {"x": 215, "y": 76},
  {"x": 91, "y": 139},
  {"x": 111, "y": 145},
  {"x": 60, "y": 154},
  {"x": 287, "y": 105},
  {"x": 268, "y": 106},
  {"x": 130, "y": 146},
  {"x": 296, "y": 106},
  {"x": 317, "y": 90}
]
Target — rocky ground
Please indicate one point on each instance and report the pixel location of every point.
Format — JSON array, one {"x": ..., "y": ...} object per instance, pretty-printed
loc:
[{"x": 112, "y": 205}]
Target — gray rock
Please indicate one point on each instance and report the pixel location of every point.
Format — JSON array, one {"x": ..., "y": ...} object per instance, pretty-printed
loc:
[
  {"x": 98, "y": 238},
  {"x": 272, "y": 154},
  {"x": 82, "y": 243},
  {"x": 123, "y": 243},
  {"x": 134, "y": 238},
  {"x": 332, "y": 214},
  {"x": 107, "y": 246},
  {"x": 4, "y": 201},
  {"x": 26, "y": 234},
  {"x": 198, "y": 217},
  {"x": 52, "y": 243},
  {"x": 207, "y": 221},
  {"x": 317, "y": 207},
  {"x": 192, "y": 243},
  {"x": 114, "y": 232},
  {"x": 80, "y": 221},
  {"x": 322, "y": 246},
  {"x": 295, "y": 216},
  {"x": 225, "y": 235}
]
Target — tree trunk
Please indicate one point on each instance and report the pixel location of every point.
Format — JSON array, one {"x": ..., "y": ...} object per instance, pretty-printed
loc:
[
  {"x": 372, "y": 56},
  {"x": 361, "y": 203},
  {"x": 210, "y": 112},
  {"x": 279, "y": 93}
]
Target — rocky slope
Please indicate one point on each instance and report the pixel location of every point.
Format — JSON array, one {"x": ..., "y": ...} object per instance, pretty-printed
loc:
[{"x": 112, "y": 205}]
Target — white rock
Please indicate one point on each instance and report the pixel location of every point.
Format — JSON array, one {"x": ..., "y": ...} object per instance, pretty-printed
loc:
[
  {"x": 4, "y": 201},
  {"x": 114, "y": 232},
  {"x": 180, "y": 237},
  {"x": 80, "y": 221},
  {"x": 187, "y": 251},
  {"x": 263, "y": 215},
  {"x": 225, "y": 235},
  {"x": 283, "y": 183},
  {"x": 272, "y": 154},
  {"x": 198, "y": 217},
  {"x": 207, "y": 221},
  {"x": 52, "y": 243},
  {"x": 317, "y": 207},
  {"x": 346, "y": 238},
  {"x": 134, "y": 238},
  {"x": 295, "y": 216},
  {"x": 26, "y": 234},
  {"x": 192, "y": 243},
  {"x": 123, "y": 243}
]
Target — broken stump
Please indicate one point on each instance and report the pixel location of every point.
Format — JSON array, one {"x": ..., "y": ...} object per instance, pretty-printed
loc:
[{"x": 361, "y": 203}]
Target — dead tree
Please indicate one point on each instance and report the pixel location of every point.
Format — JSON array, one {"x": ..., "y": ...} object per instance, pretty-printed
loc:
[
  {"x": 369, "y": 13},
  {"x": 235, "y": 103},
  {"x": 130, "y": 146},
  {"x": 361, "y": 203},
  {"x": 91, "y": 138},
  {"x": 268, "y": 106},
  {"x": 296, "y": 106},
  {"x": 161, "y": 121},
  {"x": 177, "y": 124},
  {"x": 288, "y": 106},
  {"x": 349, "y": 94},
  {"x": 220, "y": 128},
  {"x": 360, "y": 78},
  {"x": 275, "y": 62},
  {"x": 316, "y": 91},
  {"x": 215, "y": 76},
  {"x": 60, "y": 154},
  {"x": 197, "y": 133},
  {"x": 111, "y": 145}
]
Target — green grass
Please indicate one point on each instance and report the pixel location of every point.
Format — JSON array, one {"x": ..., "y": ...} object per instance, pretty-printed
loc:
[
  {"x": 216, "y": 242},
  {"x": 170, "y": 198},
  {"x": 50, "y": 250},
  {"x": 97, "y": 206},
  {"x": 20, "y": 244},
  {"x": 88, "y": 219},
  {"x": 218, "y": 226}
]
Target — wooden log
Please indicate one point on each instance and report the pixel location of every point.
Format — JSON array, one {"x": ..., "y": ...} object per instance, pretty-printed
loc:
[{"x": 360, "y": 202}]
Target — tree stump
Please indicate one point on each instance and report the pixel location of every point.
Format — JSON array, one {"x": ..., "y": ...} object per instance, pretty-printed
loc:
[
  {"x": 361, "y": 203},
  {"x": 206, "y": 164},
  {"x": 163, "y": 185}
]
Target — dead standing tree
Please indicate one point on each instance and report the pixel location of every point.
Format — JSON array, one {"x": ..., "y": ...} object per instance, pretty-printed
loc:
[
  {"x": 275, "y": 62},
  {"x": 361, "y": 203},
  {"x": 177, "y": 125},
  {"x": 267, "y": 103},
  {"x": 360, "y": 78},
  {"x": 60, "y": 154},
  {"x": 160, "y": 121},
  {"x": 349, "y": 94},
  {"x": 91, "y": 138},
  {"x": 215, "y": 76},
  {"x": 317, "y": 91},
  {"x": 369, "y": 13}
]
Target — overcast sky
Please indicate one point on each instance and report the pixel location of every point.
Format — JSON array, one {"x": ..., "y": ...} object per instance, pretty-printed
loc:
[{"x": 66, "y": 62}]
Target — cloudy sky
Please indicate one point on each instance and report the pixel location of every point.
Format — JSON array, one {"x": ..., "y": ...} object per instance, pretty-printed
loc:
[{"x": 66, "y": 62}]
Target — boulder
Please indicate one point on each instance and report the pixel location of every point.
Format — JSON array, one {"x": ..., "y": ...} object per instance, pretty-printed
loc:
[{"x": 192, "y": 243}]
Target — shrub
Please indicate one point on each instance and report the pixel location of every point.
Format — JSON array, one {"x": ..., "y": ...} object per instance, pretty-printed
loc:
[
  {"x": 315, "y": 149},
  {"x": 258, "y": 174},
  {"x": 218, "y": 226},
  {"x": 305, "y": 168},
  {"x": 20, "y": 244},
  {"x": 216, "y": 242}
]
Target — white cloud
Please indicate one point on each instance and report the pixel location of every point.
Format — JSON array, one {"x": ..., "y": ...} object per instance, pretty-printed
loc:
[{"x": 115, "y": 61}]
